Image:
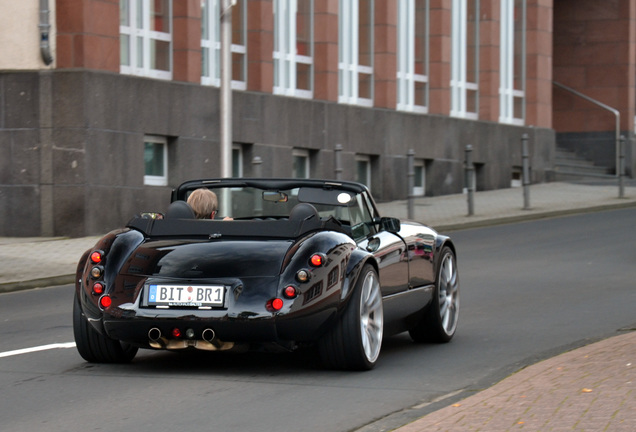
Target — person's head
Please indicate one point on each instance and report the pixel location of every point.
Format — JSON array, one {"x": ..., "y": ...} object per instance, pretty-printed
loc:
[{"x": 204, "y": 203}]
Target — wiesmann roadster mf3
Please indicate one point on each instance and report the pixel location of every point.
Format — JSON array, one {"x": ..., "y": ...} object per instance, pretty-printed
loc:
[{"x": 301, "y": 262}]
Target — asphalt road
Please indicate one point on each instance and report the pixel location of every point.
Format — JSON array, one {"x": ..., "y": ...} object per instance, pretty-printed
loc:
[{"x": 529, "y": 291}]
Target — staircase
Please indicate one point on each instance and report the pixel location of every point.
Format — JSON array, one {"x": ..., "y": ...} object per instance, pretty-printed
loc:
[{"x": 568, "y": 166}]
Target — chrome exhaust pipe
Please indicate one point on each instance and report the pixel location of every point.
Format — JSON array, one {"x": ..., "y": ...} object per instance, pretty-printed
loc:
[
  {"x": 208, "y": 335},
  {"x": 154, "y": 334}
]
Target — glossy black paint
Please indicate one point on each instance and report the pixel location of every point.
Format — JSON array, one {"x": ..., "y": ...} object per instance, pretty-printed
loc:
[{"x": 255, "y": 261}]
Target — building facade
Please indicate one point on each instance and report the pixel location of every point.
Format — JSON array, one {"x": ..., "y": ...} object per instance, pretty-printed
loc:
[{"x": 106, "y": 105}]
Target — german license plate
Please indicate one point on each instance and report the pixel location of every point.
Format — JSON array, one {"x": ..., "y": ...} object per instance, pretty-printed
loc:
[{"x": 201, "y": 296}]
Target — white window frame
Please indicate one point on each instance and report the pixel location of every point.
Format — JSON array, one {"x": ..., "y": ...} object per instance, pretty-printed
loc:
[
  {"x": 349, "y": 67},
  {"x": 406, "y": 76},
  {"x": 211, "y": 11},
  {"x": 459, "y": 62},
  {"x": 419, "y": 190},
  {"x": 301, "y": 153},
  {"x": 286, "y": 57},
  {"x": 508, "y": 94},
  {"x": 137, "y": 32},
  {"x": 153, "y": 180},
  {"x": 367, "y": 160}
]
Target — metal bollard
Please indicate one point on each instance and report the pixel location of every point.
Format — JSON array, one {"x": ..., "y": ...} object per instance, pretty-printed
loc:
[
  {"x": 470, "y": 179},
  {"x": 338, "y": 161},
  {"x": 525, "y": 155},
  {"x": 410, "y": 158},
  {"x": 257, "y": 171},
  {"x": 621, "y": 167}
]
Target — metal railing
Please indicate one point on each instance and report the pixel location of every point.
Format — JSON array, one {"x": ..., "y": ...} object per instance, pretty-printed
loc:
[{"x": 614, "y": 111}]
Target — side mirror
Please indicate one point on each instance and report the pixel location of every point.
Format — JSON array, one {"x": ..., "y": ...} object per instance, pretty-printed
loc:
[{"x": 390, "y": 224}]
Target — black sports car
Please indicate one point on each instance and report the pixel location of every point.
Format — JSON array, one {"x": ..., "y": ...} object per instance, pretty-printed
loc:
[{"x": 302, "y": 262}]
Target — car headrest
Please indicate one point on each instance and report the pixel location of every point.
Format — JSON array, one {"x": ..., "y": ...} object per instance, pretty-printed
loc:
[
  {"x": 306, "y": 216},
  {"x": 180, "y": 210},
  {"x": 303, "y": 211}
]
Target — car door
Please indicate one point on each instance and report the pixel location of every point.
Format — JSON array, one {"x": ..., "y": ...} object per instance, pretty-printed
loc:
[{"x": 388, "y": 248}]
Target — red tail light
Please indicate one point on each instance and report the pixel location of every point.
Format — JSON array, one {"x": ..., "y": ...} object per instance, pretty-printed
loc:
[
  {"x": 274, "y": 305},
  {"x": 105, "y": 302},
  {"x": 98, "y": 288},
  {"x": 290, "y": 292},
  {"x": 176, "y": 332},
  {"x": 97, "y": 257},
  {"x": 317, "y": 260}
]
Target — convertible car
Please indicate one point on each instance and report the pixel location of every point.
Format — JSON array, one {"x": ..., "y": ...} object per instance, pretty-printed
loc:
[{"x": 301, "y": 262}]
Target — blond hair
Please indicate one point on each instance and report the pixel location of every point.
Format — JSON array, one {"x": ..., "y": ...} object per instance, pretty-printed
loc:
[{"x": 204, "y": 202}]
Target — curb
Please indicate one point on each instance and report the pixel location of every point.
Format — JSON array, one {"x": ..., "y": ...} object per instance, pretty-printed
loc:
[
  {"x": 37, "y": 283},
  {"x": 493, "y": 221}
]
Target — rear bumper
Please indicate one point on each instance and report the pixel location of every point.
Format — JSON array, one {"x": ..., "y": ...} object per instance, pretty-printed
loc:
[{"x": 134, "y": 327}]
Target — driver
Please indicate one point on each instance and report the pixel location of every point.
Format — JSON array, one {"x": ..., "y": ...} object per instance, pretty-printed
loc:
[{"x": 204, "y": 203}]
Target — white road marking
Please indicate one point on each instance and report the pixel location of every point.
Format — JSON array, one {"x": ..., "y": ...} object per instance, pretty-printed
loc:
[{"x": 37, "y": 348}]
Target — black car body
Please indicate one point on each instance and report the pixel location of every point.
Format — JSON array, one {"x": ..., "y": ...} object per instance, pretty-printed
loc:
[{"x": 301, "y": 262}]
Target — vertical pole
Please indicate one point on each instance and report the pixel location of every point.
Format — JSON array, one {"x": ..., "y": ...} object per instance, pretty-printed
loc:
[
  {"x": 257, "y": 172},
  {"x": 226, "y": 88},
  {"x": 338, "y": 161},
  {"x": 526, "y": 171},
  {"x": 621, "y": 167},
  {"x": 410, "y": 157},
  {"x": 257, "y": 169},
  {"x": 470, "y": 179}
]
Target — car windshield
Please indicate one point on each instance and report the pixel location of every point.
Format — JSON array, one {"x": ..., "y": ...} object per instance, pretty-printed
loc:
[{"x": 244, "y": 203}]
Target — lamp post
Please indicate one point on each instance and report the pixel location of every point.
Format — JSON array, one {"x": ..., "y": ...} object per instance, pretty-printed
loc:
[{"x": 226, "y": 88}]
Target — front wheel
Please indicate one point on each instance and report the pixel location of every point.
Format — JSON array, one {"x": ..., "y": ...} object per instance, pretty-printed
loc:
[
  {"x": 440, "y": 319},
  {"x": 95, "y": 347},
  {"x": 355, "y": 342}
]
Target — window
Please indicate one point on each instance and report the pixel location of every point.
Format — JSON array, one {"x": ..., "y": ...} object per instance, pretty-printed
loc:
[
  {"x": 513, "y": 62},
  {"x": 145, "y": 28},
  {"x": 237, "y": 160},
  {"x": 419, "y": 180},
  {"x": 211, "y": 44},
  {"x": 465, "y": 59},
  {"x": 355, "y": 52},
  {"x": 412, "y": 75},
  {"x": 293, "y": 47},
  {"x": 155, "y": 161},
  {"x": 363, "y": 170},
  {"x": 301, "y": 163}
]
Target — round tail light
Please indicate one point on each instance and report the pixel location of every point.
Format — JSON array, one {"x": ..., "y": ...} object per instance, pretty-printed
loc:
[
  {"x": 317, "y": 260},
  {"x": 98, "y": 288},
  {"x": 290, "y": 292},
  {"x": 105, "y": 302},
  {"x": 97, "y": 257},
  {"x": 274, "y": 305}
]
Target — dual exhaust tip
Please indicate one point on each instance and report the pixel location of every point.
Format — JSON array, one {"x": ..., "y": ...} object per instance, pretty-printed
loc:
[{"x": 208, "y": 335}]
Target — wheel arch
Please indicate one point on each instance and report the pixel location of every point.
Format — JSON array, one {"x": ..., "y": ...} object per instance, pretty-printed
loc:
[
  {"x": 357, "y": 261},
  {"x": 440, "y": 243}
]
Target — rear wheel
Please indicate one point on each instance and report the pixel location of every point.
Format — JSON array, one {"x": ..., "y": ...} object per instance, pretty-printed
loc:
[
  {"x": 440, "y": 319},
  {"x": 355, "y": 342},
  {"x": 95, "y": 347}
]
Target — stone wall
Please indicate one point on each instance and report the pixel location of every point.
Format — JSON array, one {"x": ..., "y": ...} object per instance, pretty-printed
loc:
[{"x": 72, "y": 146}]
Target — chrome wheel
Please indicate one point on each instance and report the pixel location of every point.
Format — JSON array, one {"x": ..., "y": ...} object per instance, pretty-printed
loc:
[
  {"x": 439, "y": 319},
  {"x": 356, "y": 339},
  {"x": 448, "y": 294},
  {"x": 371, "y": 317}
]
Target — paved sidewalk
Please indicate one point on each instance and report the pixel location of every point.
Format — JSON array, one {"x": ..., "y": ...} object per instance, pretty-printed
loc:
[{"x": 589, "y": 389}]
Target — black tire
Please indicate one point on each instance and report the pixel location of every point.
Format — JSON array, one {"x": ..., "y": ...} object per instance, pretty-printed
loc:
[
  {"x": 93, "y": 346},
  {"x": 439, "y": 322},
  {"x": 355, "y": 342}
]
